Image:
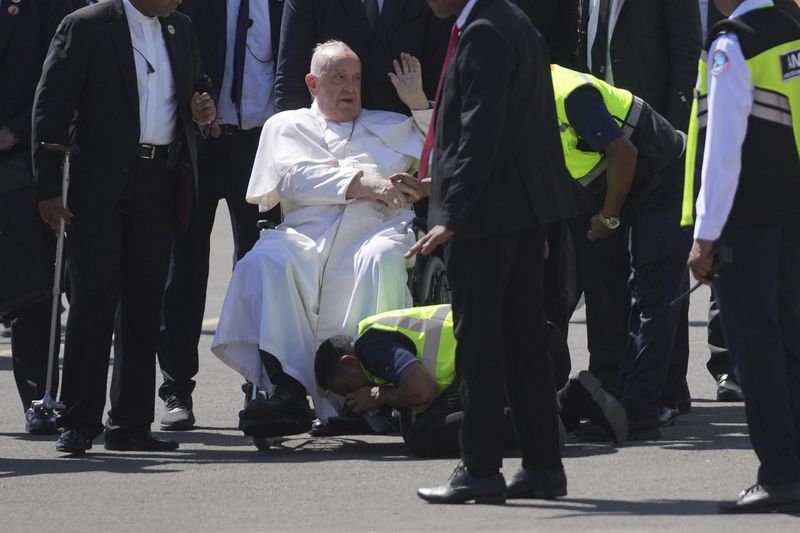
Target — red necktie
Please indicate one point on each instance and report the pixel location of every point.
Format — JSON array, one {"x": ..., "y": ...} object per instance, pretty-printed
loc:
[{"x": 428, "y": 146}]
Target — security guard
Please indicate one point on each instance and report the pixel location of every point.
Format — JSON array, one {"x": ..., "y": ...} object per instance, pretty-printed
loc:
[
  {"x": 626, "y": 156},
  {"x": 406, "y": 359},
  {"x": 746, "y": 125}
]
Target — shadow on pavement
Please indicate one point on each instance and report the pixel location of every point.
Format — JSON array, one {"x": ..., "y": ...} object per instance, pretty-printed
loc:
[{"x": 585, "y": 507}]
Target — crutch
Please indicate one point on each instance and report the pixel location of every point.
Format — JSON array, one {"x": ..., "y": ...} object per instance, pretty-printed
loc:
[{"x": 47, "y": 404}]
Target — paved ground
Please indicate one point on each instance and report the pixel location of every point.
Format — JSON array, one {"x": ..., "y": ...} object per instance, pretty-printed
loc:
[{"x": 218, "y": 481}]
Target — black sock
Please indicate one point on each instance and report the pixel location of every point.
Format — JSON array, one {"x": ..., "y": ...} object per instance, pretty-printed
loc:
[{"x": 482, "y": 473}]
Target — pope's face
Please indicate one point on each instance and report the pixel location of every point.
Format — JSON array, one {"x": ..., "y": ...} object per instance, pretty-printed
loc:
[{"x": 337, "y": 89}]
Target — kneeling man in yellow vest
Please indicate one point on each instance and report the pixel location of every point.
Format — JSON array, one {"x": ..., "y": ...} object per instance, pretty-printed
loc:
[{"x": 405, "y": 359}]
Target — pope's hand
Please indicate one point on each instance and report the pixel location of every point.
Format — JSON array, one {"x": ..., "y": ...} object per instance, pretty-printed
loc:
[
  {"x": 407, "y": 81},
  {"x": 381, "y": 190}
]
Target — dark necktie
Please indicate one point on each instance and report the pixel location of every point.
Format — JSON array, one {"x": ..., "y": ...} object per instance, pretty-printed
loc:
[
  {"x": 600, "y": 44},
  {"x": 427, "y": 148},
  {"x": 373, "y": 12},
  {"x": 239, "y": 50}
]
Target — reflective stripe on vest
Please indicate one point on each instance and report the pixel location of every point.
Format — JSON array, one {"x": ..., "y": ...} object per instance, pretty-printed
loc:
[
  {"x": 774, "y": 96},
  {"x": 586, "y": 166},
  {"x": 430, "y": 329}
]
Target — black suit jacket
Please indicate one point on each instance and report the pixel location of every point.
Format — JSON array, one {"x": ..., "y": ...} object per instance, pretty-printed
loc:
[
  {"x": 210, "y": 19},
  {"x": 24, "y": 39},
  {"x": 654, "y": 52},
  {"x": 90, "y": 71},
  {"x": 557, "y": 21},
  {"x": 404, "y": 26},
  {"x": 498, "y": 164}
]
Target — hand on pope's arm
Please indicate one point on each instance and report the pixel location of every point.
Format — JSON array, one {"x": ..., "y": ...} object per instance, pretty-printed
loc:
[
  {"x": 700, "y": 260},
  {"x": 412, "y": 189},
  {"x": 430, "y": 241},
  {"x": 52, "y": 211},
  {"x": 407, "y": 81},
  {"x": 381, "y": 190},
  {"x": 203, "y": 108}
]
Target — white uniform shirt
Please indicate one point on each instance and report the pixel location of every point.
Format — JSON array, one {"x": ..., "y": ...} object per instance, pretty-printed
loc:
[
  {"x": 258, "y": 82},
  {"x": 158, "y": 103},
  {"x": 730, "y": 99},
  {"x": 380, "y": 5}
]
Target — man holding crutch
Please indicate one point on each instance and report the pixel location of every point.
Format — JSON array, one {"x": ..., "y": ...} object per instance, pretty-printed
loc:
[{"x": 132, "y": 72}]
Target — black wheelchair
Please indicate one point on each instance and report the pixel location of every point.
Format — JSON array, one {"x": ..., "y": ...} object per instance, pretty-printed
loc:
[{"x": 427, "y": 282}]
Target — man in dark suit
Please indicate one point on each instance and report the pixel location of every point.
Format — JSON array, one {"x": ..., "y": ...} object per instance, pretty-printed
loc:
[
  {"x": 557, "y": 21},
  {"x": 496, "y": 152},
  {"x": 131, "y": 72},
  {"x": 26, "y": 28},
  {"x": 239, "y": 45},
  {"x": 377, "y": 31}
]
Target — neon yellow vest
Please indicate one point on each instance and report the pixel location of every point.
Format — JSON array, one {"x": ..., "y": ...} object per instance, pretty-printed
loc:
[
  {"x": 776, "y": 86},
  {"x": 430, "y": 329},
  {"x": 583, "y": 165}
]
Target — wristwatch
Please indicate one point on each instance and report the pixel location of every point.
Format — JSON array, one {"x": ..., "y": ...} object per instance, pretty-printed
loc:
[{"x": 609, "y": 222}]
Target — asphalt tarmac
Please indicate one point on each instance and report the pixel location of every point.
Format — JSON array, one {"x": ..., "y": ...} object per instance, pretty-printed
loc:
[{"x": 218, "y": 481}]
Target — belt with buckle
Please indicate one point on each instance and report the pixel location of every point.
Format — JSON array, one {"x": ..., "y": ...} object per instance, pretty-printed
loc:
[{"x": 151, "y": 151}]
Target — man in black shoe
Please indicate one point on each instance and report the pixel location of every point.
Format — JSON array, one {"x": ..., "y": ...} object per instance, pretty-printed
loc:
[
  {"x": 239, "y": 45},
  {"x": 496, "y": 157},
  {"x": 745, "y": 126},
  {"x": 131, "y": 71},
  {"x": 405, "y": 359},
  {"x": 25, "y": 33}
]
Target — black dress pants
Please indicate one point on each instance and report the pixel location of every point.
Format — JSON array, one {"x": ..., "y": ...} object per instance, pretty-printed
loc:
[
  {"x": 719, "y": 360},
  {"x": 121, "y": 259},
  {"x": 501, "y": 353},
  {"x": 30, "y": 325},
  {"x": 224, "y": 171},
  {"x": 759, "y": 295}
]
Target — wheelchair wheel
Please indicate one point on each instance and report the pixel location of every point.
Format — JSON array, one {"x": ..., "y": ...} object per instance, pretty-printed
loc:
[
  {"x": 262, "y": 443},
  {"x": 433, "y": 285}
]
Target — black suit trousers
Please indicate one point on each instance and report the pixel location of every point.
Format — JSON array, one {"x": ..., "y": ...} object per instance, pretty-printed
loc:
[
  {"x": 121, "y": 261},
  {"x": 224, "y": 172},
  {"x": 759, "y": 295},
  {"x": 501, "y": 353}
]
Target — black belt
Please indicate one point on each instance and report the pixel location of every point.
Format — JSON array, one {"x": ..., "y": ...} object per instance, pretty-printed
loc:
[{"x": 151, "y": 151}]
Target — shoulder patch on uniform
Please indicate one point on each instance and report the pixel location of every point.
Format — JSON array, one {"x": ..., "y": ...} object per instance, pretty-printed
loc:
[
  {"x": 790, "y": 64},
  {"x": 719, "y": 62}
]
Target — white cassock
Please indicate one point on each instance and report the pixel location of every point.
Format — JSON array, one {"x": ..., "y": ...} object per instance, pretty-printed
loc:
[{"x": 333, "y": 261}]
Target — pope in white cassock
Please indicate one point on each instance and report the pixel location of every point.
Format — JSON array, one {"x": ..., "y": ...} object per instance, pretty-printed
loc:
[{"x": 340, "y": 174}]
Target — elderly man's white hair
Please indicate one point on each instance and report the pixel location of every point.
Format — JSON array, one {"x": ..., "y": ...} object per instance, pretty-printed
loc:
[{"x": 323, "y": 53}]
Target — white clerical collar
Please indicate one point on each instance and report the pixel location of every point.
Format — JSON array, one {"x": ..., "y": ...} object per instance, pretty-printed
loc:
[
  {"x": 749, "y": 5},
  {"x": 464, "y": 15},
  {"x": 137, "y": 16}
]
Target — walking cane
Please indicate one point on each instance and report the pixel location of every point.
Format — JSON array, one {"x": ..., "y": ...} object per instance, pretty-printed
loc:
[{"x": 47, "y": 404}]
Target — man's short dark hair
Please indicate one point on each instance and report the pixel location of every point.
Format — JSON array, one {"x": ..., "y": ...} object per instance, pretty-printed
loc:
[{"x": 328, "y": 355}]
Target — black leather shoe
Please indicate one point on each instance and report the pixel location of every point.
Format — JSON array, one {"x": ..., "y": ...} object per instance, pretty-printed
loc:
[
  {"x": 463, "y": 487},
  {"x": 140, "y": 441},
  {"x": 73, "y": 441},
  {"x": 728, "y": 390},
  {"x": 40, "y": 422},
  {"x": 542, "y": 485},
  {"x": 765, "y": 499}
]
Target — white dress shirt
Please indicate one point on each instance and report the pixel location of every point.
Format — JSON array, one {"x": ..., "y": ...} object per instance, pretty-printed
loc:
[
  {"x": 158, "y": 103},
  {"x": 464, "y": 15},
  {"x": 380, "y": 5},
  {"x": 258, "y": 82},
  {"x": 730, "y": 99}
]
